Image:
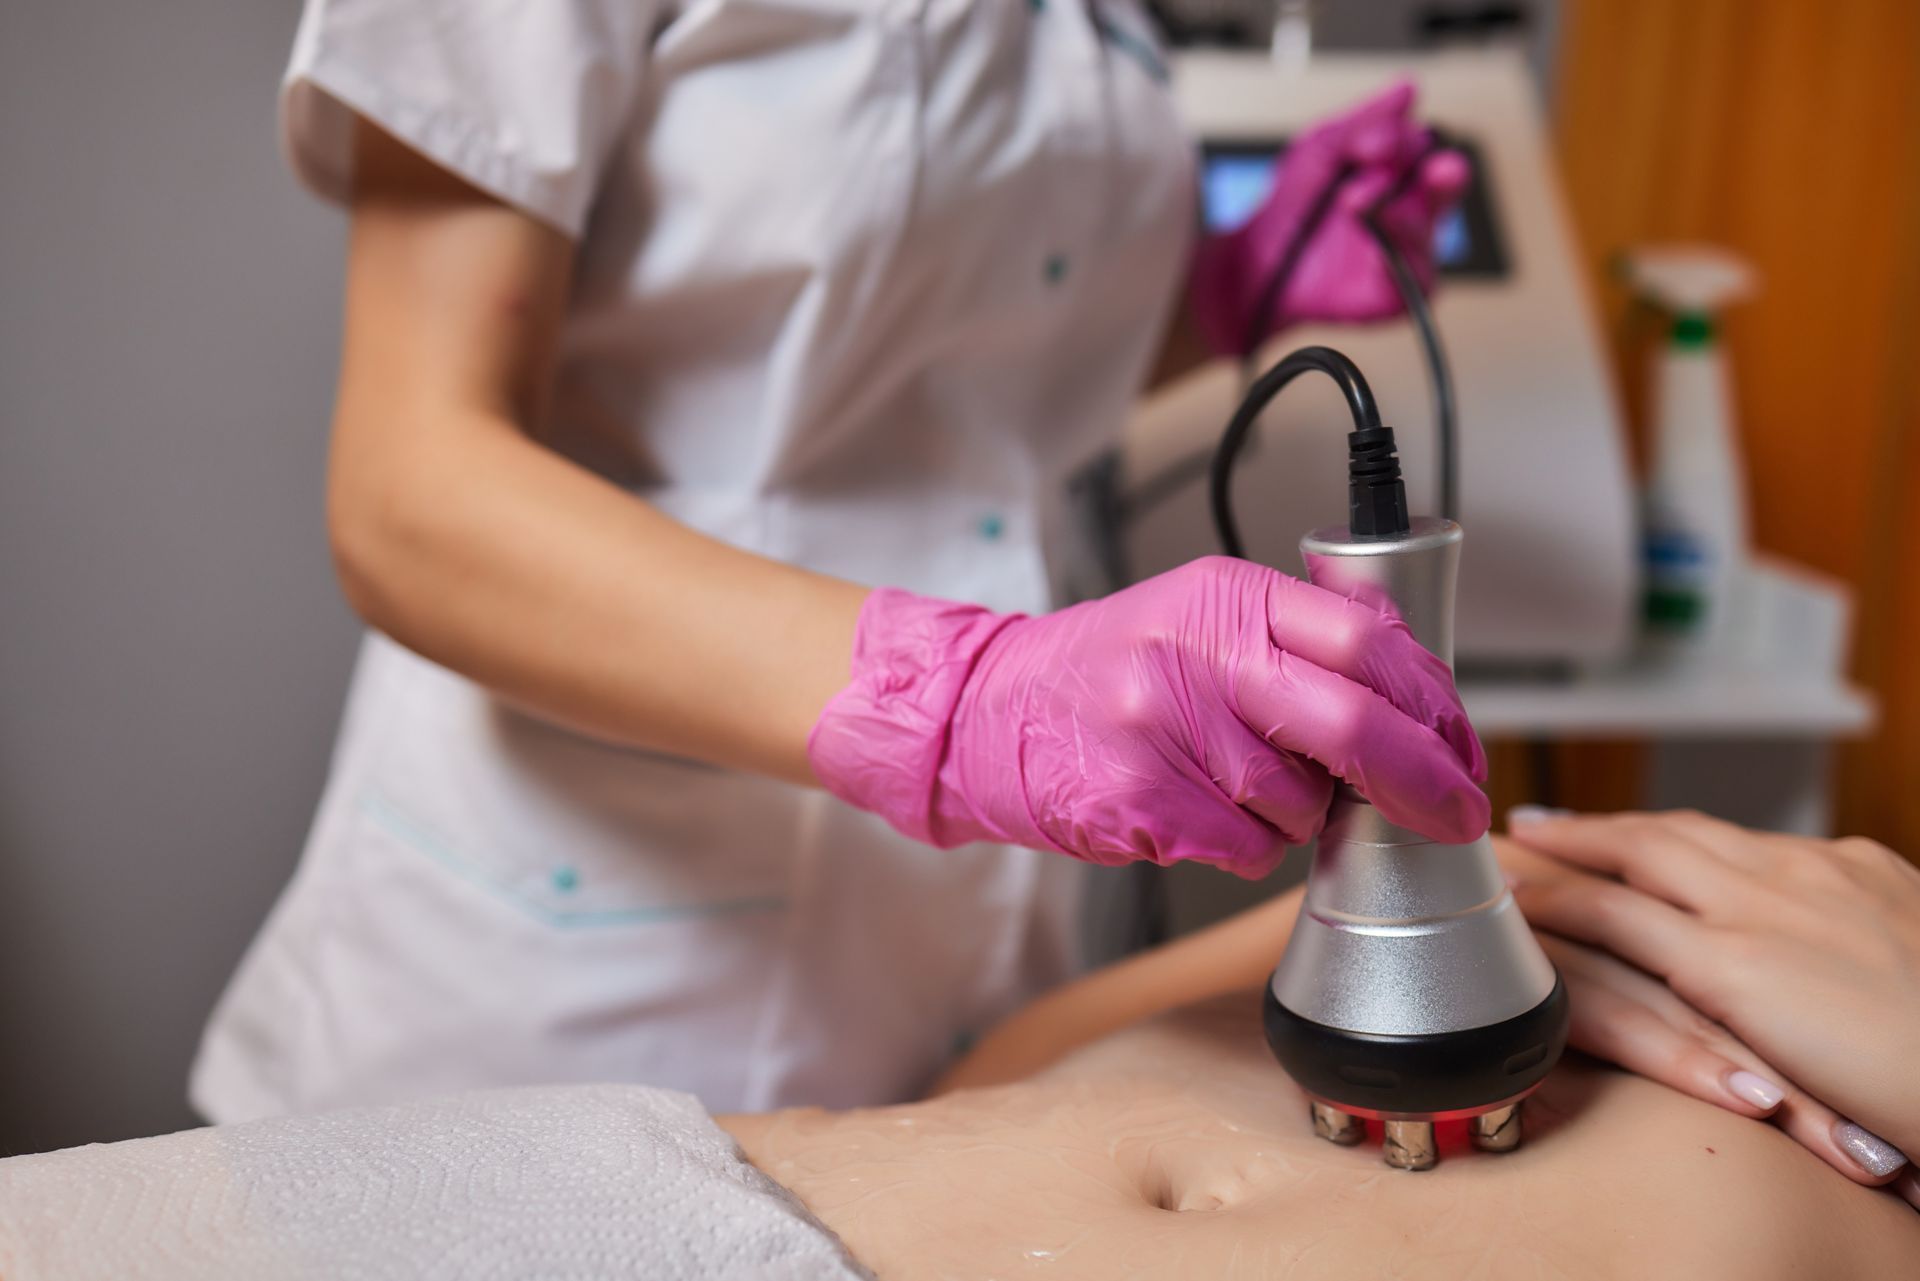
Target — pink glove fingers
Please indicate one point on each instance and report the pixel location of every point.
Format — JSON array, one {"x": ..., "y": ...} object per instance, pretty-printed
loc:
[
  {"x": 1340, "y": 275},
  {"x": 1289, "y": 793},
  {"x": 1361, "y": 194},
  {"x": 1408, "y": 217},
  {"x": 1409, "y": 772},
  {"x": 1388, "y": 145},
  {"x": 1200, "y": 715},
  {"x": 1257, "y": 253},
  {"x": 1377, "y": 651},
  {"x": 1444, "y": 176},
  {"x": 1131, "y": 826},
  {"x": 1391, "y": 106}
]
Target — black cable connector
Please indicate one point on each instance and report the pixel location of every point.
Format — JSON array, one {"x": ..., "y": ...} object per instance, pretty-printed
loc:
[
  {"x": 1376, "y": 494},
  {"x": 1377, "y": 498}
]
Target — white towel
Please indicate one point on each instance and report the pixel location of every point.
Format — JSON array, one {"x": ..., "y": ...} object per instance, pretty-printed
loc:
[{"x": 586, "y": 1182}]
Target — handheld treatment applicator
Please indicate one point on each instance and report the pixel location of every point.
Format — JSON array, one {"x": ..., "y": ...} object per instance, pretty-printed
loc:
[{"x": 1411, "y": 990}]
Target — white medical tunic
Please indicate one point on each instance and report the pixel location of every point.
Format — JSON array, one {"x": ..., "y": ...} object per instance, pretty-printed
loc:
[{"x": 859, "y": 283}]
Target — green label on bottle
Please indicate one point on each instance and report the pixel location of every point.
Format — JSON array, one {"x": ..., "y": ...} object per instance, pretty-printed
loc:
[{"x": 1673, "y": 609}]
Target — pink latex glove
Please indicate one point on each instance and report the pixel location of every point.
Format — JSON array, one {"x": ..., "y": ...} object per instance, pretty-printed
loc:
[
  {"x": 1340, "y": 276},
  {"x": 1202, "y": 715}
]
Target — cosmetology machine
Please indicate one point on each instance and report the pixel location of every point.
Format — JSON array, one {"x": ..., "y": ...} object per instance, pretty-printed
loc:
[
  {"x": 1411, "y": 991},
  {"x": 1552, "y": 583}
]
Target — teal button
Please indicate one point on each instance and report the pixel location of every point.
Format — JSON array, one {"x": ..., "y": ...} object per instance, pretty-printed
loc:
[
  {"x": 1055, "y": 268},
  {"x": 991, "y": 527},
  {"x": 566, "y": 880}
]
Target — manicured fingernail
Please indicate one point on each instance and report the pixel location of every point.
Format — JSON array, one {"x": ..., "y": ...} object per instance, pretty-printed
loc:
[
  {"x": 1523, "y": 814},
  {"x": 1869, "y": 1151},
  {"x": 1756, "y": 1090}
]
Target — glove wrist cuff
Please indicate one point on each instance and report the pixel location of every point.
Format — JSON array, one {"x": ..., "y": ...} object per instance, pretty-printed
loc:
[{"x": 881, "y": 742}]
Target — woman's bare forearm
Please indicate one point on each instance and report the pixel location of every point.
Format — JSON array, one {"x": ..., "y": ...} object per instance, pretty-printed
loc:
[
  {"x": 461, "y": 536},
  {"x": 492, "y": 556},
  {"x": 1232, "y": 956}
]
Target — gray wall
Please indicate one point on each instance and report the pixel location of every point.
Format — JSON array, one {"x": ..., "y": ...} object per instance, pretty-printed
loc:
[{"x": 172, "y": 648}]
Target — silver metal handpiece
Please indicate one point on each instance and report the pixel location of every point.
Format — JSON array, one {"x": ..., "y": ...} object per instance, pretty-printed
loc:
[{"x": 1411, "y": 988}]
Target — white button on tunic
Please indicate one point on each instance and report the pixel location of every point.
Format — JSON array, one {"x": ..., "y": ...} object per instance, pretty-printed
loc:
[{"x": 859, "y": 283}]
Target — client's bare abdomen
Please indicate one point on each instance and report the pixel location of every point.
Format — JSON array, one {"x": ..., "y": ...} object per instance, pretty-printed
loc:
[{"x": 1178, "y": 1149}]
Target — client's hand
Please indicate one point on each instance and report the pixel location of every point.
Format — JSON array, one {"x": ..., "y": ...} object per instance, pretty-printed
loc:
[{"x": 1806, "y": 951}]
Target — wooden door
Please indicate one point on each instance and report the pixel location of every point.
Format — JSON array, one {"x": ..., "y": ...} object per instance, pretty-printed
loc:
[{"x": 1788, "y": 130}]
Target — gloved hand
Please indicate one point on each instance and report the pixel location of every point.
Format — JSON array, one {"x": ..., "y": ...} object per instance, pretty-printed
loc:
[
  {"x": 1202, "y": 715},
  {"x": 1340, "y": 275}
]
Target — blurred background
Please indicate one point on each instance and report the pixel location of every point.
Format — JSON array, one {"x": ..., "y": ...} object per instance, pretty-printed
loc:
[{"x": 175, "y": 649}]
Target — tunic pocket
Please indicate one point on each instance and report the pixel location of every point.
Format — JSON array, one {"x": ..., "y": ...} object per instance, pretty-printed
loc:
[{"x": 574, "y": 833}]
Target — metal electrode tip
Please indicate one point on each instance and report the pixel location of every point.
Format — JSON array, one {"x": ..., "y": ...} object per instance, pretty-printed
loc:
[
  {"x": 1335, "y": 1126},
  {"x": 1410, "y": 1145},
  {"x": 1496, "y": 1131}
]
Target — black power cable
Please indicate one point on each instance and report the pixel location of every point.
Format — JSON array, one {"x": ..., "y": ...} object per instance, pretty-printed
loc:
[
  {"x": 1376, "y": 496},
  {"x": 1173, "y": 478},
  {"x": 1157, "y": 488},
  {"x": 1420, "y": 311},
  {"x": 1360, "y": 402},
  {"x": 1260, "y": 322}
]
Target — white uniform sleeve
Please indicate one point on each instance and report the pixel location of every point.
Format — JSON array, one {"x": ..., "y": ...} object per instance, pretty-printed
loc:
[{"x": 524, "y": 99}]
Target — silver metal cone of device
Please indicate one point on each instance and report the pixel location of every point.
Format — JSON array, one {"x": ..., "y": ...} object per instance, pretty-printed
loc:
[{"x": 1400, "y": 935}]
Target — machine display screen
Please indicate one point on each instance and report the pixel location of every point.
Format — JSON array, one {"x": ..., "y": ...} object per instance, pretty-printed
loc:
[{"x": 1235, "y": 176}]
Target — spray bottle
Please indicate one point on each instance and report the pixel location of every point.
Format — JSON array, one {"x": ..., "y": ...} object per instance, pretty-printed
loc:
[{"x": 1694, "y": 513}]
